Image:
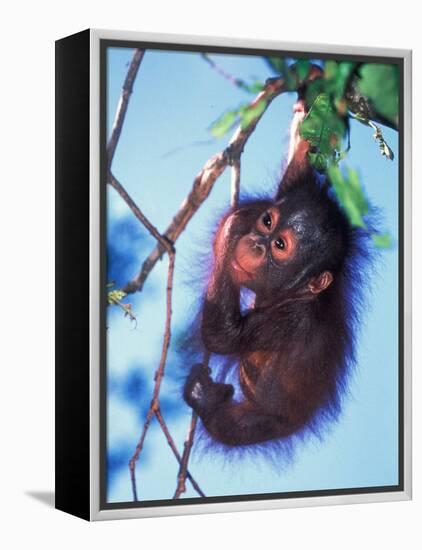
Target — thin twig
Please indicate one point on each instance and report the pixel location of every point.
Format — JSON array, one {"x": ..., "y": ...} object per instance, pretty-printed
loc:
[
  {"x": 204, "y": 182},
  {"x": 126, "y": 308},
  {"x": 123, "y": 104},
  {"x": 235, "y": 182},
  {"x": 183, "y": 470},
  {"x": 238, "y": 82},
  {"x": 138, "y": 450},
  {"x": 159, "y": 374},
  {"x": 173, "y": 447},
  {"x": 155, "y": 403},
  {"x": 114, "y": 182}
]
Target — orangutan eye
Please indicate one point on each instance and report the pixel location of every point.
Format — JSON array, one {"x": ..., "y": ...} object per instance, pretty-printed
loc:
[
  {"x": 280, "y": 244},
  {"x": 266, "y": 220}
]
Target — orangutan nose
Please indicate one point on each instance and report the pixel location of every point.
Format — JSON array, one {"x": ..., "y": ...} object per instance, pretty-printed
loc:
[
  {"x": 258, "y": 247},
  {"x": 250, "y": 253}
]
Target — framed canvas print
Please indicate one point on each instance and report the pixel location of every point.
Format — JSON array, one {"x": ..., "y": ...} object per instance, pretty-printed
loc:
[{"x": 233, "y": 274}]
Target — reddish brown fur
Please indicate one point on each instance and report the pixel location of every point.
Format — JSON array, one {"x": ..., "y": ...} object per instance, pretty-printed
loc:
[{"x": 293, "y": 349}]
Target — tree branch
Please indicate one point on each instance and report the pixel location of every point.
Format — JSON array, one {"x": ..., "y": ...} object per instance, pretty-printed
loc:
[
  {"x": 232, "y": 79},
  {"x": 154, "y": 408},
  {"x": 183, "y": 470},
  {"x": 173, "y": 447},
  {"x": 123, "y": 104},
  {"x": 113, "y": 181},
  {"x": 235, "y": 183},
  {"x": 159, "y": 374}
]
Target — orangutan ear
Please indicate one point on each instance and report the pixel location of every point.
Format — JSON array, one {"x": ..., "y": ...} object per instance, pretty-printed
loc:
[{"x": 320, "y": 283}]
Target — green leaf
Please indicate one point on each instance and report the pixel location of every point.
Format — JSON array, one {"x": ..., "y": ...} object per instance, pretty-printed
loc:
[
  {"x": 314, "y": 89},
  {"x": 323, "y": 127},
  {"x": 115, "y": 296},
  {"x": 280, "y": 67},
  {"x": 249, "y": 114},
  {"x": 319, "y": 161},
  {"x": 278, "y": 64},
  {"x": 224, "y": 123},
  {"x": 356, "y": 192},
  {"x": 330, "y": 70},
  {"x": 302, "y": 68},
  {"x": 383, "y": 240},
  {"x": 255, "y": 87},
  {"x": 380, "y": 84},
  {"x": 336, "y": 76},
  {"x": 350, "y": 194},
  {"x": 246, "y": 113}
]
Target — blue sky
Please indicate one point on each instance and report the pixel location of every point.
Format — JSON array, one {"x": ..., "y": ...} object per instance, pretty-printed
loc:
[{"x": 164, "y": 144}]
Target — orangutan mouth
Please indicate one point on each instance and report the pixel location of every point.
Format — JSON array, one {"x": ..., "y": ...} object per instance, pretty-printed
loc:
[{"x": 240, "y": 271}]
